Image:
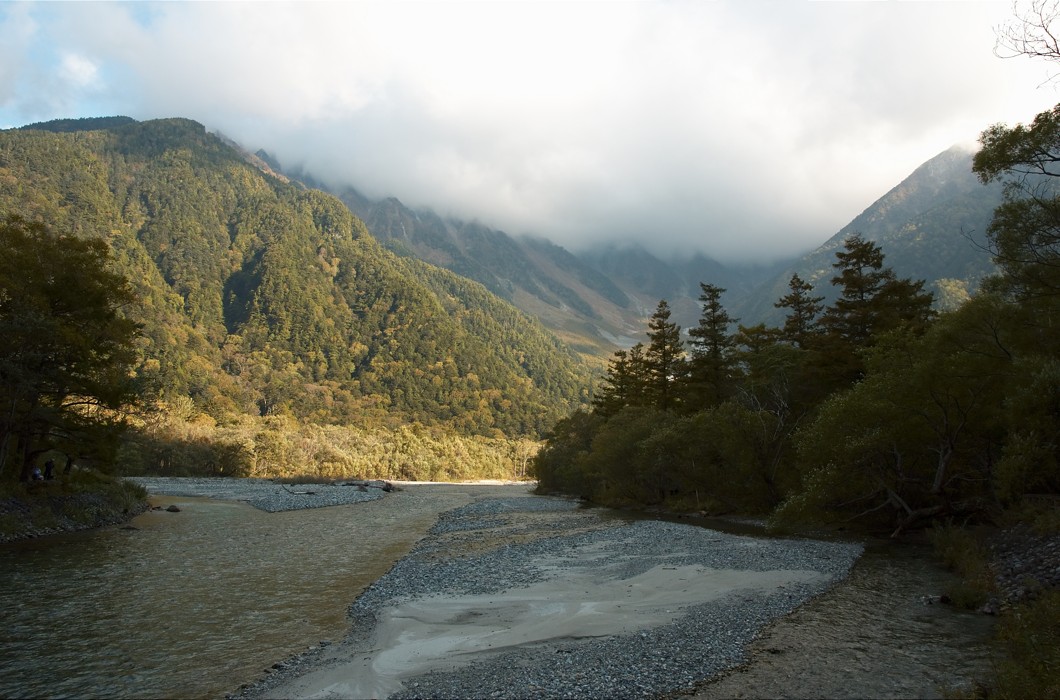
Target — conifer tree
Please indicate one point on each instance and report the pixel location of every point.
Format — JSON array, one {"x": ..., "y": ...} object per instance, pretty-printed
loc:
[
  {"x": 625, "y": 383},
  {"x": 860, "y": 277},
  {"x": 712, "y": 362},
  {"x": 872, "y": 301},
  {"x": 664, "y": 358},
  {"x": 801, "y": 323}
]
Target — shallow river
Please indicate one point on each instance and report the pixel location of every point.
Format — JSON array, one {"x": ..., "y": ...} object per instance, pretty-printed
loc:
[{"x": 193, "y": 604}]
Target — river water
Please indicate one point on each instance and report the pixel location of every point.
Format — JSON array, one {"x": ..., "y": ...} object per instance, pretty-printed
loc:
[{"x": 194, "y": 604}]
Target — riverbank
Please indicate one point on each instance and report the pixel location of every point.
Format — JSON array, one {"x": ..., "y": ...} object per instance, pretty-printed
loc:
[
  {"x": 538, "y": 597},
  {"x": 264, "y": 494},
  {"x": 881, "y": 630},
  {"x": 70, "y": 503}
]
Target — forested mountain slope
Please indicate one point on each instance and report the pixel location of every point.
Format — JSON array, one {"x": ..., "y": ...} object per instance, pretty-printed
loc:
[
  {"x": 595, "y": 300},
  {"x": 582, "y": 306},
  {"x": 260, "y": 296},
  {"x": 931, "y": 226}
]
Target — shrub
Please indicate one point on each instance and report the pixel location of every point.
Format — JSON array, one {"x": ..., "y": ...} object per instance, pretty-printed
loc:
[
  {"x": 1029, "y": 635},
  {"x": 962, "y": 553}
]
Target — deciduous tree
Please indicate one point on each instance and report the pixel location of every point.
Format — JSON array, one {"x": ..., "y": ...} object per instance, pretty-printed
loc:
[{"x": 66, "y": 350}]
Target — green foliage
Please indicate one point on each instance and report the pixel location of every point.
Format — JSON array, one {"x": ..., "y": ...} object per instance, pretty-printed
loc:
[
  {"x": 1020, "y": 150},
  {"x": 624, "y": 470},
  {"x": 1025, "y": 231},
  {"x": 883, "y": 414},
  {"x": 1030, "y": 462},
  {"x": 83, "y": 498},
  {"x": 1029, "y": 641},
  {"x": 730, "y": 454},
  {"x": 82, "y": 124},
  {"x": 282, "y": 447},
  {"x": 66, "y": 349},
  {"x": 258, "y": 297},
  {"x": 915, "y": 439},
  {"x": 963, "y": 554}
]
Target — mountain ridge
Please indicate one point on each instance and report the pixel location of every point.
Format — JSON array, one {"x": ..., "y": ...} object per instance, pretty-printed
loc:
[
  {"x": 261, "y": 296},
  {"x": 931, "y": 226}
]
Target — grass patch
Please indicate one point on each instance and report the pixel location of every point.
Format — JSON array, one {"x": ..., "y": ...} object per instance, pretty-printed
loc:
[
  {"x": 1029, "y": 640},
  {"x": 83, "y": 499},
  {"x": 10, "y": 524},
  {"x": 962, "y": 553}
]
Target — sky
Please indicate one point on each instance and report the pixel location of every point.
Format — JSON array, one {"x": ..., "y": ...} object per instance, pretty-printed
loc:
[{"x": 745, "y": 130}]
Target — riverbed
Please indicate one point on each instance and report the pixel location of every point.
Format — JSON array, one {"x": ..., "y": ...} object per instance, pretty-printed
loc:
[
  {"x": 200, "y": 602},
  {"x": 193, "y": 604}
]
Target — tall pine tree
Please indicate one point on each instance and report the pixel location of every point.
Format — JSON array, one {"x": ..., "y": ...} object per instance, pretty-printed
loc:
[
  {"x": 664, "y": 358},
  {"x": 801, "y": 325},
  {"x": 712, "y": 364}
]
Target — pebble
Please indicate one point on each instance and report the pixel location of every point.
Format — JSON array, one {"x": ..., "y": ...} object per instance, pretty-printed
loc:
[{"x": 1024, "y": 563}]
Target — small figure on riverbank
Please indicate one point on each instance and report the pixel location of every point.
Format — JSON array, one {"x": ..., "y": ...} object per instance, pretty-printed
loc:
[
  {"x": 35, "y": 474},
  {"x": 49, "y": 470}
]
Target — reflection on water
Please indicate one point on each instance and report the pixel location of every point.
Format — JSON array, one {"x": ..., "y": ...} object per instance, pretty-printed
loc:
[{"x": 192, "y": 604}]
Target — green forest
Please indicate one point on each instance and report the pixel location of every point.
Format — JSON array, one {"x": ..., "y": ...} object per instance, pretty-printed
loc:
[
  {"x": 170, "y": 307},
  {"x": 874, "y": 409}
]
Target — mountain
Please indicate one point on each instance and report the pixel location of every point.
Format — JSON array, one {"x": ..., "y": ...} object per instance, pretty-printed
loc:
[
  {"x": 597, "y": 300},
  {"x": 931, "y": 226},
  {"x": 261, "y": 296},
  {"x": 678, "y": 281},
  {"x": 582, "y": 306}
]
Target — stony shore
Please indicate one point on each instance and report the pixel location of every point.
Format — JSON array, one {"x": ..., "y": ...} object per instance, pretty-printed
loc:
[
  {"x": 496, "y": 544},
  {"x": 1023, "y": 562},
  {"x": 264, "y": 494},
  {"x": 537, "y": 597}
]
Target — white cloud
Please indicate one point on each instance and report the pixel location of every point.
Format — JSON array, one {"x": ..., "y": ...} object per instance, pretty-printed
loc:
[
  {"x": 78, "y": 71},
  {"x": 731, "y": 128}
]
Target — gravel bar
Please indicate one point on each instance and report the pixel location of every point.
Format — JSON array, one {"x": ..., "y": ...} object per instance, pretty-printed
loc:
[
  {"x": 263, "y": 494},
  {"x": 500, "y": 544}
]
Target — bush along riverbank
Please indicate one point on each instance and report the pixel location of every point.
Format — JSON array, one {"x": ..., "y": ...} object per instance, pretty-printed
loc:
[
  {"x": 81, "y": 500},
  {"x": 1014, "y": 572}
]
